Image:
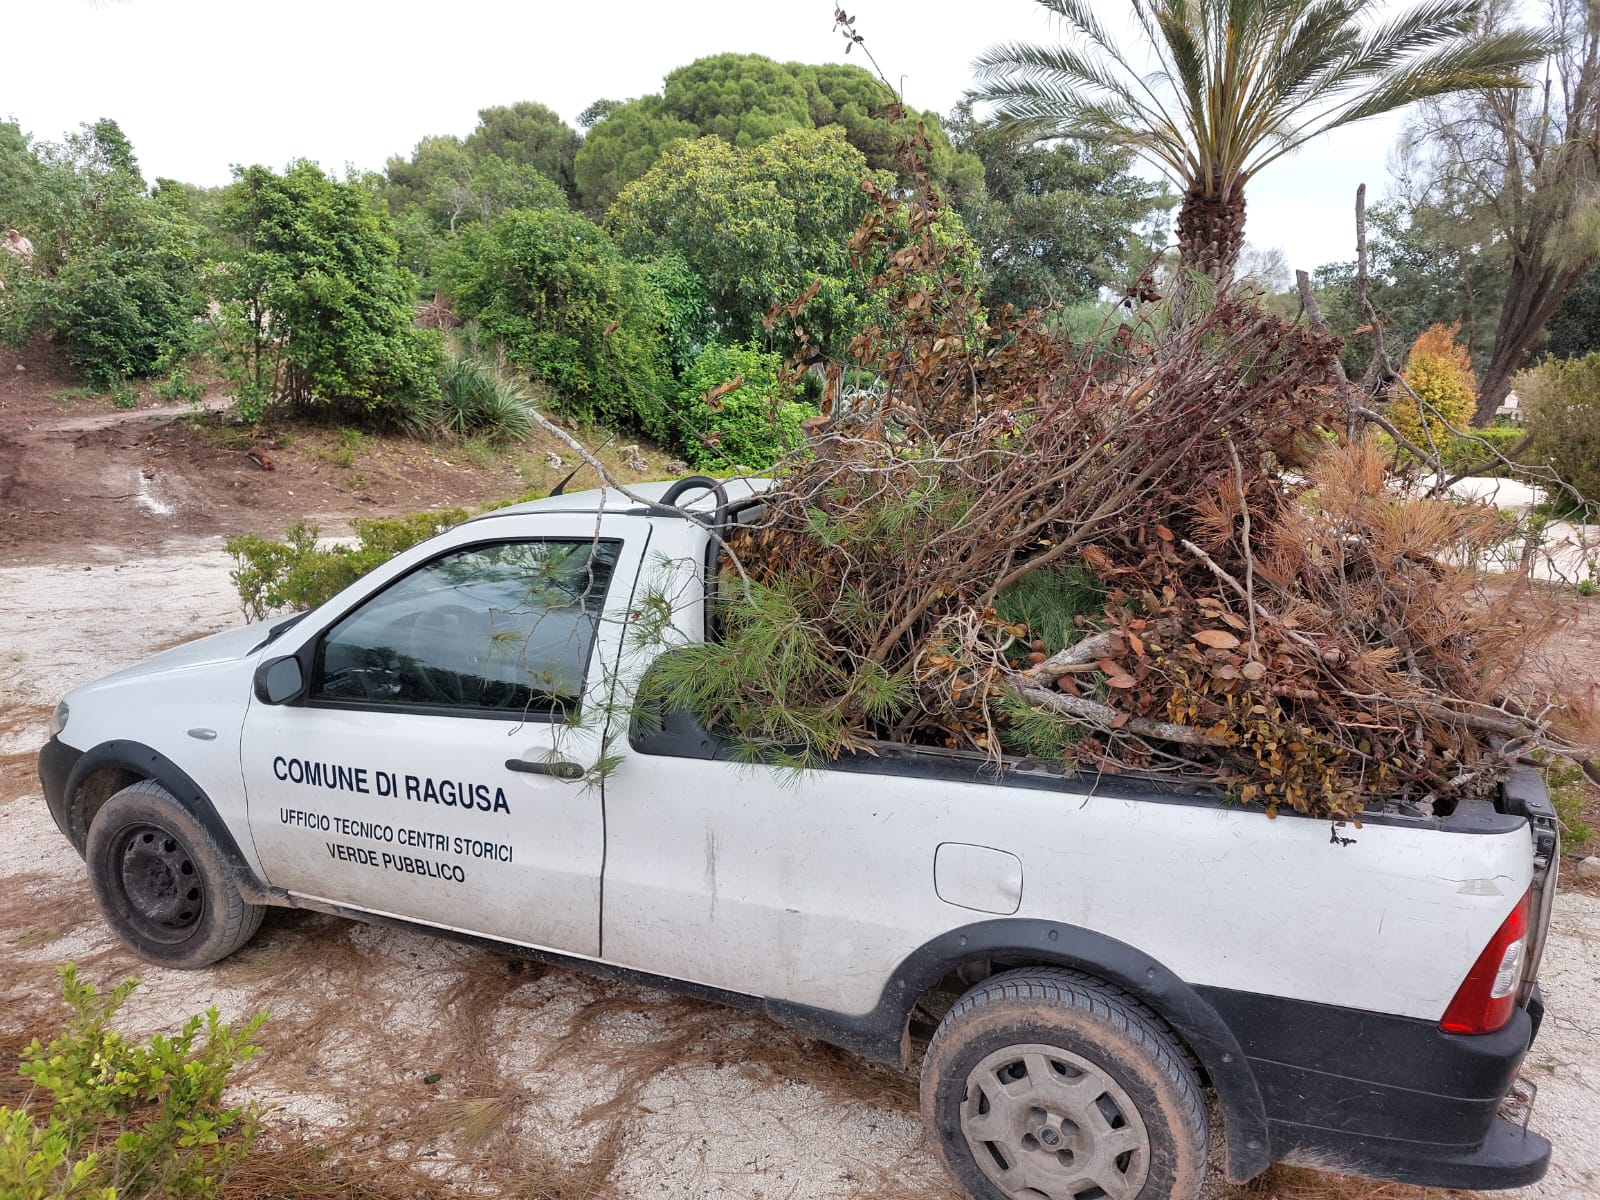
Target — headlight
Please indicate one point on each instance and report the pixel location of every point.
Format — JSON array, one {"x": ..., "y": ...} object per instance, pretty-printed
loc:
[{"x": 58, "y": 719}]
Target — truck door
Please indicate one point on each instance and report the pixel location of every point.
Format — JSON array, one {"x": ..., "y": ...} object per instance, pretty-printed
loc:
[{"x": 434, "y": 770}]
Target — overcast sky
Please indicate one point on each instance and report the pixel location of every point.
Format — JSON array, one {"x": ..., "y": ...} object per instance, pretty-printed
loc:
[{"x": 201, "y": 85}]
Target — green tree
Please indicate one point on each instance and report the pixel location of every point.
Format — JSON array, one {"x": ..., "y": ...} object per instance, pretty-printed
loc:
[
  {"x": 746, "y": 99},
  {"x": 1575, "y": 329},
  {"x": 741, "y": 98},
  {"x": 1055, "y": 222},
  {"x": 318, "y": 313},
  {"x": 1421, "y": 272},
  {"x": 758, "y": 226},
  {"x": 447, "y": 183},
  {"x": 568, "y": 308},
  {"x": 412, "y": 181},
  {"x": 687, "y": 322},
  {"x": 1240, "y": 84},
  {"x": 528, "y": 135},
  {"x": 116, "y": 272},
  {"x": 623, "y": 146},
  {"x": 857, "y": 101}
]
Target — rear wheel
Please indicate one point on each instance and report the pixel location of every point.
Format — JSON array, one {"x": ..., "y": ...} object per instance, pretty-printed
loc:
[
  {"x": 163, "y": 885},
  {"x": 1047, "y": 1084}
]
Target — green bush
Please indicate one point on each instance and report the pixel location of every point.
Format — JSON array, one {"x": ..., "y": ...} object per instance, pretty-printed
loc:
[
  {"x": 476, "y": 396},
  {"x": 1560, "y": 400},
  {"x": 297, "y": 574},
  {"x": 127, "y": 308},
  {"x": 569, "y": 309},
  {"x": 127, "y": 1121},
  {"x": 1464, "y": 453},
  {"x": 317, "y": 314},
  {"x": 752, "y": 425},
  {"x": 117, "y": 275}
]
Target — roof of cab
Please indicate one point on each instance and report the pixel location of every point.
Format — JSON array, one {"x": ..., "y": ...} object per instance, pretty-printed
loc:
[{"x": 610, "y": 499}]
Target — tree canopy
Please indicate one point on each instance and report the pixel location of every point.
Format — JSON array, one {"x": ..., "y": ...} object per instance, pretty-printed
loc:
[
  {"x": 527, "y": 135},
  {"x": 757, "y": 225},
  {"x": 1054, "y": 222},
  {"x": 745, "y": 99}
]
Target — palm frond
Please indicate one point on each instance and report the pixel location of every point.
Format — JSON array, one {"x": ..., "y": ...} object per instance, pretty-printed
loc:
[
  {"x": 1239, "y": 83},
  {"x": 1484, "y": 63}
]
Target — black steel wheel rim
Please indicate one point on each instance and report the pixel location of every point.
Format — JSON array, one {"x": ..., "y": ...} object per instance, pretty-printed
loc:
[{"x": 159, "y": 880}]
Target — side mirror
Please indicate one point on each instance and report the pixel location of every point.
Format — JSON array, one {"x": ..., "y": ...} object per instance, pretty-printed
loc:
[{"x": 280, "y": 680}]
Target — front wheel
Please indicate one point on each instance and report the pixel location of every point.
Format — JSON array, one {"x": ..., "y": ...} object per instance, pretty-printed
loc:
[
  {"x": 1047, "y": 1084},
  {"x": 162, "y": 883}
]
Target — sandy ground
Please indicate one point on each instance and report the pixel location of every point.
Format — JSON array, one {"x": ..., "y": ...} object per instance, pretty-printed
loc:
[{"x": 665, "y": 1098}]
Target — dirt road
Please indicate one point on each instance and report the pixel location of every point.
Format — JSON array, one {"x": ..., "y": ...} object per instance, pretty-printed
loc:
[{"x": 664, "y": 1097}]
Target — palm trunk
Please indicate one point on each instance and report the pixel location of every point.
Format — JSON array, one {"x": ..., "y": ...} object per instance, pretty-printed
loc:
[{"x": 1211, "y": 231}]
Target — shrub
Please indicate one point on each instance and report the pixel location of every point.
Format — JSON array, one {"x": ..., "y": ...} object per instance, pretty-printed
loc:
[
  {"x": 317, "y": 313},
  {"x": 297, "y": 574},
  {"x": 752, "y": 425},
  {"x": 127, "y": 1121},
  {"x": 569, "y": 309},
  {"x": 1439, "y": 372},
  {"x": 117, "y": 281},
  {"x": 477, "y": 396},
  {"x": 1561, "y": 402},
  {"x": 1475, "y": 450}
]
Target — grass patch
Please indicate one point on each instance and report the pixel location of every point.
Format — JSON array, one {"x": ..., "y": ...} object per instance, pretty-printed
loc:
[{"x": 343, "y": 449}]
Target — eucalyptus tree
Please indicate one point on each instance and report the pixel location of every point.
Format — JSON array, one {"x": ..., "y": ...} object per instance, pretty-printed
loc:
[{"x": 1212, "y": 91}]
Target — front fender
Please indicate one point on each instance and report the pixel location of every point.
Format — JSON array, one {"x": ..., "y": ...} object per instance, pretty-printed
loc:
[{"x": 72, "y": 813}]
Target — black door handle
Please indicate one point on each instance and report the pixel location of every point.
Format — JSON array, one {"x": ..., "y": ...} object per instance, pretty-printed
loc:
[{"x": 561, "y": 770}]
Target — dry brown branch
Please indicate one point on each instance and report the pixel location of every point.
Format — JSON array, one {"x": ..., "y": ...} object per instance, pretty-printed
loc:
[
  {"x": 1079, "y": 654},
  {"x": 1110, "y": 719}
]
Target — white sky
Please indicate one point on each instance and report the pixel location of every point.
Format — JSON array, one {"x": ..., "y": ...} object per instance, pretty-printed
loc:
[{"x": 200, "y": 85}]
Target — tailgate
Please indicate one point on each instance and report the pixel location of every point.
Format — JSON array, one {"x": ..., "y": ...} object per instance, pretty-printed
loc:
[{"x": 1526, "y": 796}]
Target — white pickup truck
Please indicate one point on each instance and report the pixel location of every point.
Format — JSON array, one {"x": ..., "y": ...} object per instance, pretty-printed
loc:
[{"x": 1091, "y": 956}]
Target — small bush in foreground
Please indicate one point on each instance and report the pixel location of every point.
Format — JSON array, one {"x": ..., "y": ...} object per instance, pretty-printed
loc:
[
  {"x": 297, "y": 574},
  {"x": 125, "y": 1121}
]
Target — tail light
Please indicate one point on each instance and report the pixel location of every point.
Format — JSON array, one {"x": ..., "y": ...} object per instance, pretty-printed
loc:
[{"x": 1485, "y": 1000}]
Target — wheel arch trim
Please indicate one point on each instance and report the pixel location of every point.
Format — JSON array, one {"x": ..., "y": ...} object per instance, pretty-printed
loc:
[
  {"x": 882, "y": 1032},
  {"x": 139, "y": 759}
]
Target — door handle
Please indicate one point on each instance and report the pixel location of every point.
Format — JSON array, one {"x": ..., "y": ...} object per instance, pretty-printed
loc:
[{"x": 561, "y": 770}]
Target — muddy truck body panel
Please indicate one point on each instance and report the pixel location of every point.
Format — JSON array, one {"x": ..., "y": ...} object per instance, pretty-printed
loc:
[{"x": 446, "y": 746}]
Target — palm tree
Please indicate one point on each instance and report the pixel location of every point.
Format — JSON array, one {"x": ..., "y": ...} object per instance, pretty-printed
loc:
[{"x": 1232, "y": 85}]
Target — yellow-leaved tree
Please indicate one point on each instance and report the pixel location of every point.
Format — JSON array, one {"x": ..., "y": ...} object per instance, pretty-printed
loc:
[{"x": 1438, "y": 372}]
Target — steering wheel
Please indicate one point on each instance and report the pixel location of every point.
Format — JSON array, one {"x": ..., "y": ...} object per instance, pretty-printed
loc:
[{"x": 448, "y": 623}]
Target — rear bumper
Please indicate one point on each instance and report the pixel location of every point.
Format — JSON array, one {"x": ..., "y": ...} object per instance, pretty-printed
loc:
[
  {"x": 1507, "y": 1157},
  {"x": 1388, "y": 1097}
]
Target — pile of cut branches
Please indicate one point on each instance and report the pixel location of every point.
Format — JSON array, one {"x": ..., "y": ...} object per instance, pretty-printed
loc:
[{"x": 1095, "y": 551}]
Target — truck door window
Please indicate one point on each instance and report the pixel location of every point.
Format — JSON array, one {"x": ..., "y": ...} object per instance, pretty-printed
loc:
[{"x": 501, "y": 629}]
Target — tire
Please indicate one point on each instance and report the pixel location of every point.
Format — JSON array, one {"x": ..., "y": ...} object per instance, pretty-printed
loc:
[
  {"x": 162, "y": 883},
  {"x": 1048, "y": 1083}
]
